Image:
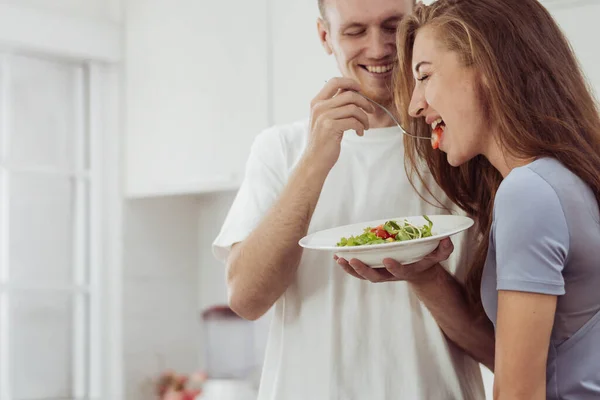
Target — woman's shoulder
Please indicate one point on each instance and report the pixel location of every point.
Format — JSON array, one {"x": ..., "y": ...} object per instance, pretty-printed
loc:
[
  {"x": 528, "y": 182},
  {"x": 538, "y": 179},
  {"x": 541, "y": 178}
]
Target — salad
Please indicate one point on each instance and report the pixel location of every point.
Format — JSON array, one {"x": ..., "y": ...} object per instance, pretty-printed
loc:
[{"x": 391, "y": 231}]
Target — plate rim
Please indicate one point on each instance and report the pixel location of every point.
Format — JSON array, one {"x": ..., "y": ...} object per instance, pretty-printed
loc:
[{"x": 469, "y": 225}]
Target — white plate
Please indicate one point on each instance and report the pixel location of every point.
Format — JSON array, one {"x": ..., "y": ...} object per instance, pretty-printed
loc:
[{"x": 405, "y": 252}]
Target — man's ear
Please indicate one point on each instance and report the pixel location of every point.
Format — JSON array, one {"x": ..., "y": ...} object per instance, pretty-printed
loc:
[{"x": 323, "y": 30}]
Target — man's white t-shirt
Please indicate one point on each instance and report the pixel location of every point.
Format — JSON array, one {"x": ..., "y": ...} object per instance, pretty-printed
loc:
[{"x": 333, "y": 336}]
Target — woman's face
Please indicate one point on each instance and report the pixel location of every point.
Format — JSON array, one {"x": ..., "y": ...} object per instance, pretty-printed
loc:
[{"x": 447, "y": 95}]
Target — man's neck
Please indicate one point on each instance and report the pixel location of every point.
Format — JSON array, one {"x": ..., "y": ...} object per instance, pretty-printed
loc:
[{"x": 380, "y": 119}]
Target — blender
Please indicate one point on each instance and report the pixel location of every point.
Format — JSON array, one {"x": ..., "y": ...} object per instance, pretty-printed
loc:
[{"x": 230, "y": 356}]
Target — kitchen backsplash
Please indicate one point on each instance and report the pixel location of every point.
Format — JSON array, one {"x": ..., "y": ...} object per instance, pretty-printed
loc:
[
  {"x": 170, "y": 276},
  {"x": 160, "y": 289}
]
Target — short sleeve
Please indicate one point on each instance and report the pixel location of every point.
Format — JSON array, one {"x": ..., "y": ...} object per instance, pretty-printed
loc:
[
  {"x": 530, "y": 234},
  {"x": 263, "y": 181}
]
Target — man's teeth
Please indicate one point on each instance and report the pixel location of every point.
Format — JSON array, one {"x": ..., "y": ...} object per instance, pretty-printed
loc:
[
  {"x": 379, "y": 69},
  {"x": 435, "y": 123}
]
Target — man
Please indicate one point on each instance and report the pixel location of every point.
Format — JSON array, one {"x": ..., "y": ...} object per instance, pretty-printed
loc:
[{"x": 333, "y": 336}]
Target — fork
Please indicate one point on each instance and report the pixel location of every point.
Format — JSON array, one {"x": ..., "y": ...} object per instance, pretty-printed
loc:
[{"x": 391, "y": 116}]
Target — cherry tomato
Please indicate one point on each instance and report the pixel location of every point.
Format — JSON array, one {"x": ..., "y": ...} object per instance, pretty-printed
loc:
[{"x": 436, "y": 136}]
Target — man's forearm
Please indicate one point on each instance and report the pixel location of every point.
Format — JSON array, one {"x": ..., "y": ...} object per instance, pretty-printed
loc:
[
  {"x": 261, "y": 267},
  {"x": 445, "y": 299}
]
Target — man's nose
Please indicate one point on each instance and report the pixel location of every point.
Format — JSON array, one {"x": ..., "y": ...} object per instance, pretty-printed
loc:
[{"x": 378, "y": 45}]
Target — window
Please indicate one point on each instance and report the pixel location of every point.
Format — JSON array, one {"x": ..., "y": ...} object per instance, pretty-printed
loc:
[
  {"x": 49, "y": 287},
  {"x": 60, "y": 205}
]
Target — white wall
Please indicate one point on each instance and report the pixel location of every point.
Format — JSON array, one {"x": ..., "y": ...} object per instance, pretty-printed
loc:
[
  {"x": 100, "y": 9},
  {"x": 579, "y": 22},
  {"x": 296, "y": 81},
  {"x": 160, "y": 289}
]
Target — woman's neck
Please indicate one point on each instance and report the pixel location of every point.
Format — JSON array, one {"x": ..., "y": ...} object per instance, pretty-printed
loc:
[{"x": 502, "y": 160}]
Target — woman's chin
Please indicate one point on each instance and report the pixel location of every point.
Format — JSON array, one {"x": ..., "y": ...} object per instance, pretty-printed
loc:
[{"x": 454, "y": 161}]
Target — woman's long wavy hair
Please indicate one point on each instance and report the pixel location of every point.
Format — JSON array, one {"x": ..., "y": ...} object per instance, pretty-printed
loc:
[{"x": 533, "y": 91}]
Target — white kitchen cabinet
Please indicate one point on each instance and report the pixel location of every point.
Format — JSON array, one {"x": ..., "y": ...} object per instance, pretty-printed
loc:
[{"x": 196, "y": 92}]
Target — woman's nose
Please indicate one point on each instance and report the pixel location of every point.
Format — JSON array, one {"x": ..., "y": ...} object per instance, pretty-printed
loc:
[{"x": 418, "y": 104}]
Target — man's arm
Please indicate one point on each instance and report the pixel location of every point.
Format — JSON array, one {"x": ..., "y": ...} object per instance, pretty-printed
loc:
[
  {"x": 443, "y": 296},
  {"x": 260, "y": 268}
]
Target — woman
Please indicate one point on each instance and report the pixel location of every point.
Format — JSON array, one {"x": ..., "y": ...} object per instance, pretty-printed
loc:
[{"x": 499, "y": 89}]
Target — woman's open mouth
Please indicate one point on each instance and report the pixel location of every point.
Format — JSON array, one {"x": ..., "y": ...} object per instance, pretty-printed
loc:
[{"x": 437, "y": 129}]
